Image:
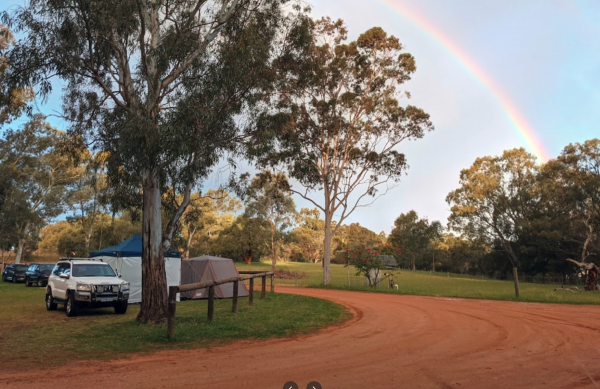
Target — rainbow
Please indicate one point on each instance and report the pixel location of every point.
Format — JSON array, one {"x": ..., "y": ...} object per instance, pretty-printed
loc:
[{"x": 516, "y": 119}]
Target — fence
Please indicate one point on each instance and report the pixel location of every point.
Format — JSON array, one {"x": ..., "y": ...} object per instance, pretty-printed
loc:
[
  {"x": 550, "y": 279},
  {"x": 173, "y": 290}
]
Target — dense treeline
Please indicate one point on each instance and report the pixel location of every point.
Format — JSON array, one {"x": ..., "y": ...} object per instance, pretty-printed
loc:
[{"x": 508, "y": 212}]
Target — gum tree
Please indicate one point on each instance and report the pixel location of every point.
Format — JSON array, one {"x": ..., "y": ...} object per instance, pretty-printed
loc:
[
  {"x": 495, "y": 200},
  {"x": 158, "y": 84},
  {"x": 336, "y": 122}
]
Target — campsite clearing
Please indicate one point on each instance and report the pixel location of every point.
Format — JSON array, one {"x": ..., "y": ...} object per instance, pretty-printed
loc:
[
  {"x": 32, "y": 337},
  {"x": 423, "y": 283}
]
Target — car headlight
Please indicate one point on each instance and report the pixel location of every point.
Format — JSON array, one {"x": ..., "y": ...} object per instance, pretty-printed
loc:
[
  {"x": 125, "y": 287},
  {"x": 84, "y": 287}
]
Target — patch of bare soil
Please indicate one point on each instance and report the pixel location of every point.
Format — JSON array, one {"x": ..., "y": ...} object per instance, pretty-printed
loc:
[{"x": 393, "y": 342}]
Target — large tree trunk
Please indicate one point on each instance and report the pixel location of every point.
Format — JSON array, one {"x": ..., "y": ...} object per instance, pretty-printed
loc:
[
  {"x": 20, "y": 248},
  {"x": 327, "y": 252},
  {"x": 592, "y": 273},
  {"x": 21, "y": 244},
  {"x": 273, "y": 250},
  {"x": 154, "y": 280},
  {"x": 516, "y": 280}
]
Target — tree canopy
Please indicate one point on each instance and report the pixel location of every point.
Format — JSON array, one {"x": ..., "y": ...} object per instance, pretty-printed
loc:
[{"x": 335, "y": 121}]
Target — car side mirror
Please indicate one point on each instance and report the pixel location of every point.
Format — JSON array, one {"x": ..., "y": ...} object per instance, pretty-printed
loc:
[
  {"x": 119, "y": 275},
  {"x": 64, "y": 275}
]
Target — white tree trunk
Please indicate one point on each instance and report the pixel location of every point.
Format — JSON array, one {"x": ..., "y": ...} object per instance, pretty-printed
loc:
[
  {"x": 20, "y": 248},
  {"x": 154, "y": 280},
  {"x": 21, "y": 244},
  {"x": 327, "y": 252}
]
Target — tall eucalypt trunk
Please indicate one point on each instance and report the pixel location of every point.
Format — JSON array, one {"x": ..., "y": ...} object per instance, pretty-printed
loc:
[
  {"x": 21, "y": 245},
  {"x": 154, "y": 280},
  {"x": 515, "y": 263},
  {"x": 327, "y": 249}
]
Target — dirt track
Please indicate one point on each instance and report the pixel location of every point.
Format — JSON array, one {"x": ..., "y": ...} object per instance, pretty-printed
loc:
[{"x": 393, "y": 342}]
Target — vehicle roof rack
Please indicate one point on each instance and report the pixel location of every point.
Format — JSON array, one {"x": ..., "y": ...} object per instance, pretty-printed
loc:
[{"x": 81, "y": 259}]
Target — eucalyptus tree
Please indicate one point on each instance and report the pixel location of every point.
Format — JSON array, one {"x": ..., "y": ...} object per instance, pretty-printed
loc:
[
  {"x": 414, "y": 234},
  {"x": 336, "y": 122},
  {"x": 496, "y": 197},
  {"x": 579, "y": 176},
  {"x": 13, "y": 99},
  {"x": 88, "y": 194},
  {"x": 269, "y": 199},
  {"x": 38, "y": 177},
  {"x": 159, "y": 84},
  {"x": 206, "y": 216}
]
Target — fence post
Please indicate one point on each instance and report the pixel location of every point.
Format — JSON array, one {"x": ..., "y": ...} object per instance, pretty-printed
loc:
[
  {"x": 235, "y": 296},
  {"x": 263, "y": 291},
  {"x": 211, "y": 302},
  {"x": 171, "y": 311},
  {"x": 251, "y": 296},
  {"x": 272, "y": 286}
]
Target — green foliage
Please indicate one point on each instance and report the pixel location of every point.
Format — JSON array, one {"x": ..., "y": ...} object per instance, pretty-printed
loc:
[
  {"x": 203, "y": 220},
  {"x": 306, "y": 240},
  {"x": 13, "y": 99},
  {"x": 353, "y": 237},
  {"x": 35, "y": 177},
  {"x": 69, "y": 238},
  {"x": 495, "y": 199},
  {"x": 269, "y": 199},
  {"x": 416, "y": 237},
  {"x": 336, "y": 120}
]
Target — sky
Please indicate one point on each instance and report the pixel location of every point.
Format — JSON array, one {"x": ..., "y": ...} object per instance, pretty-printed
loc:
[
  {"x": 493, "y": 75},
  {"x": 478, "y": 63}
]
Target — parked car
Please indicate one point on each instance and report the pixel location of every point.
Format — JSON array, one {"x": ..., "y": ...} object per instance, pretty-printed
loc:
[
  {"x": 38, "y": 274},
  {"x": 78, "y": 283},
  {"x": 14, "y": 272}
]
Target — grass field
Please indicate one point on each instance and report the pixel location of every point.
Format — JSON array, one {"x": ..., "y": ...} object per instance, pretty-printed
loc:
[
  {"x": 437, "y": 284},
  {"x": 32, "y": 337}
]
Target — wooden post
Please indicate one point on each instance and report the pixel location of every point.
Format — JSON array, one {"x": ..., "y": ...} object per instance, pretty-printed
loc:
[
  {"x": 263, "y": 291},
  {"x": 251, "y": 296},
  {"x": 235, "y": 296},
  {"x": 171, "y": 312},
  {"x": 211, "y": 302},
  {"x": 272, "y": 285},
  {"x": 516, "y": 281}
]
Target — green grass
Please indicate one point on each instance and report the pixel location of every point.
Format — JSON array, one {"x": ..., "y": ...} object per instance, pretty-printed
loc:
[
  {"x": 32, "y": 337},
  {"x": 437, "y": 284}
]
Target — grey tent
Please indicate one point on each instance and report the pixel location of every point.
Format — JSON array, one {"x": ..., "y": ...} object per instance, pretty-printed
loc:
[{"x": 207, "y": 268}]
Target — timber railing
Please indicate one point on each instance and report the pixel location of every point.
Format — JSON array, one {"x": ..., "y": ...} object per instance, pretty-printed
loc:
[{"x": 249, "y": 275}]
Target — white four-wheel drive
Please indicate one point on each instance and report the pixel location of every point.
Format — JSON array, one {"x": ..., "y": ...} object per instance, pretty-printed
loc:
[{"x": 78, "y": 283}]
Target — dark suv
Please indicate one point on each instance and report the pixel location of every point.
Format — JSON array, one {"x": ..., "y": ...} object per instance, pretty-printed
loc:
[
  {"x": 14, "y": 272},
  {"x": 38, "y": 274}
]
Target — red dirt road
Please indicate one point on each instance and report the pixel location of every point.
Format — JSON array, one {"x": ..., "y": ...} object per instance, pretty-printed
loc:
[{"x": 393, "y": 342}]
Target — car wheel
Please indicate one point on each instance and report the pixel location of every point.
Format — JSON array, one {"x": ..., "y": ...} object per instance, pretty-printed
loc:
[
  {"x": 14, "y": 279},
  {"x": 40, "y": 283},
  {"x": 50, "y": 305},
  {"x": 71, "y": 306},
  {"x": 27, "y": 282},
  {"x": 121, "y": 308}
]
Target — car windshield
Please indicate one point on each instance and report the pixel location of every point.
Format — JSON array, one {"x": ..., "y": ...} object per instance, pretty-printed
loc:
[
  {"x": 93, "y": 271},
  {"x": 46, "y": 267}
]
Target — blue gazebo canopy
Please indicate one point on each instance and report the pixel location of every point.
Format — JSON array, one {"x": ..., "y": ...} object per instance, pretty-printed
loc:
[{"x": 131, "y": 247}]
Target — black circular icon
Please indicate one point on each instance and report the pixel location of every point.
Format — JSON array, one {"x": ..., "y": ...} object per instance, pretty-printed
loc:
[
  {"x": 314, "y": 385},
  {"x": 290, "y": 385}
]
